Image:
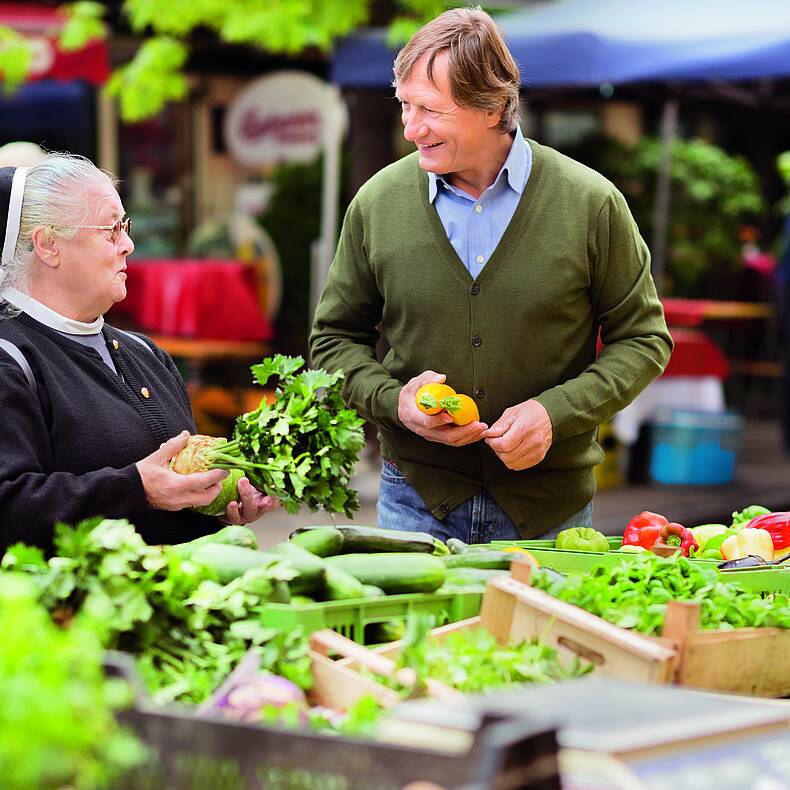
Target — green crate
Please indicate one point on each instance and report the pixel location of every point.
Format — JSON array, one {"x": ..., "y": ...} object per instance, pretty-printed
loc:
[
  {"x": 567, "y": 561},
  {"x": 764, "y": 580},
  {"x": 614, "y": 543},
  {"x": 350, "y": 617}
]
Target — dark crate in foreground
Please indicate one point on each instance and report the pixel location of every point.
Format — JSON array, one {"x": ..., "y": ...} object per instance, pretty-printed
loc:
[{"x": 210, "y": 754}]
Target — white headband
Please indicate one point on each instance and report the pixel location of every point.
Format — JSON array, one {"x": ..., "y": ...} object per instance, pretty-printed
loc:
[{"x": 14, "y": 214}]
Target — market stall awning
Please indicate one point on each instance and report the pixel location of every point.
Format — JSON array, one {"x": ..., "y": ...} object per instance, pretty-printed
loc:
[
  {"x": 41, "y": 26},
  {"x": 584, "y": 44}
]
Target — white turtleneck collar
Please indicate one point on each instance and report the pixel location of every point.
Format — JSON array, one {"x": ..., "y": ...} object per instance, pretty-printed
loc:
[{"x": 48, "y": 317}]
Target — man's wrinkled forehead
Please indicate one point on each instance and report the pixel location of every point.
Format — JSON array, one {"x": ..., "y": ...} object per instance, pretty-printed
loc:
[{"x": 427, "y": 72}]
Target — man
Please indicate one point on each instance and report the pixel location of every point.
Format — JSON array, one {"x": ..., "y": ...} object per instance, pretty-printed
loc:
[{"x": 491, "y": 262}]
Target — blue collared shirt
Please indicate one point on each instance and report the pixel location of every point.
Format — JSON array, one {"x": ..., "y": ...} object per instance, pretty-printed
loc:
[{"x": 475, "y": 226}]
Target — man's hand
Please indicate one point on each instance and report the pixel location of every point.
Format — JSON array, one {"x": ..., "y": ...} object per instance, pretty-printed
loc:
[
  {"x": 521, "y": 437},
  {"x": 252, "y": 506},
  {"x": 434, "y": 427},
  {"x": 168, "y": 490}
]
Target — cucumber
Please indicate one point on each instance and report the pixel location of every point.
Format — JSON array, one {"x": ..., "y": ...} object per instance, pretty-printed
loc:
[
  {"x": 321, "y": 541},
  {"x": 371, "y": 591},
  {"x": 339, "y": 585},
  {"x": 396, "y": 572},
  {"x": 233, "y": 535},
  {"x": 480, "y": 559},
  {"x": 371, "y": 540},
  {"x": 230, "y": 562},
  {"x": 309, "y": 568}
]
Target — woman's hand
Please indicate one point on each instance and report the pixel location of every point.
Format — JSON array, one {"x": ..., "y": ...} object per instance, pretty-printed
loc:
[
  {"x": 252, "y": 506},
  {"x": 168, "y": 490}
]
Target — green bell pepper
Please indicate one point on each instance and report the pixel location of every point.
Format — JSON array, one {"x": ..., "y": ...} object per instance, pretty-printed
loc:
[
  {"x": 712, "y": 547},
  {"x": 581, "y": 539},
  {"x": 703, "y": 533}
]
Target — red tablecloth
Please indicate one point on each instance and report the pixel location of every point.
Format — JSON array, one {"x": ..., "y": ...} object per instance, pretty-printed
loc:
[
  {"x": 696, "y": 354},
  {"x": 208, "y": 299}
]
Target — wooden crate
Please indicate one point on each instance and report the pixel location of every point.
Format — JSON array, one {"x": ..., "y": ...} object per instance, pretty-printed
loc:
[
  {"x": 351, "y": 656},
  {"x": 752, "y": 661},
  {"x": 513, "y": 611},
  {"x": 335, "y": 685}
]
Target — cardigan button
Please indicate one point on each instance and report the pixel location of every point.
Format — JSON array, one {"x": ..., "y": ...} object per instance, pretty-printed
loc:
[
  {"x": 444, "y": 507},
  {"x": 475, "y": 289},
  {"x": 477, "y": 341},
  {"x": 480, "y": 393}
]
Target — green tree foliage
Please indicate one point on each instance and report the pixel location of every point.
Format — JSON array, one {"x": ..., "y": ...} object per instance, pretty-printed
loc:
[
  {"x": 712, "y": 194},
  {"x": 155, "y": 76}
]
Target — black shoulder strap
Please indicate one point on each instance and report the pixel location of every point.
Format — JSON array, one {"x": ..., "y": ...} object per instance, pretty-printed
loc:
[{"x": 18, "y": 357}]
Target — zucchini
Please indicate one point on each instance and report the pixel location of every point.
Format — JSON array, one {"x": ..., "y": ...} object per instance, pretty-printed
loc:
[
  {"x": 321, "y": 541},
  {"x": 234, "y": 535},
  {"x": 372, "y": 540},
  {"x": 339, "y": 585},
  {"x": 371, "y": 591},
  {"x": 480, "y": 559},
  {"x": 381, "y": 633},
  {"x": 281, "y": 592},
  {"x": 230, "y": 562},
  {"x": 301, "y": 600},
  {"x": 459, "y": 576},
  {"x": 310, "y": 570},
  {"x": 395, "y": 572},
  {"x": 457, "y": 546}
]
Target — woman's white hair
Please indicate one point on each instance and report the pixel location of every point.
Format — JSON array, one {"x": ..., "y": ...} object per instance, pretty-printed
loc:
[{"x": 54, "y": 198}]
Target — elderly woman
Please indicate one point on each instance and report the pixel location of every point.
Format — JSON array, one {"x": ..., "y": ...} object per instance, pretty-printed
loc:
[{"x": 91, "y": 415}]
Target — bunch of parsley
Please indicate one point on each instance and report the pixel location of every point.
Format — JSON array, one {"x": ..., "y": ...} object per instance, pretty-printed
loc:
[
  {"x": 301, "y": 448},
  {"x": 187, "y": 630},
  {"x": 635, "y": 592}
]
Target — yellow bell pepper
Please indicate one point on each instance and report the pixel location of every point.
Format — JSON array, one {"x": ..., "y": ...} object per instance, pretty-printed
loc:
[
  {"x": 748, "y": 541},
  {"x": 527, "y": 555}
]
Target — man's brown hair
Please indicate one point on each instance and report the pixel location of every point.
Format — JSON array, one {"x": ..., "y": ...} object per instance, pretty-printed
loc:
[{"x": 483, "y": 74}]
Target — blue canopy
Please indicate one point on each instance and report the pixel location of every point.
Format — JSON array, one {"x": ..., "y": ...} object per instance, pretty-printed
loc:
[{"x": 586, "y": 43}]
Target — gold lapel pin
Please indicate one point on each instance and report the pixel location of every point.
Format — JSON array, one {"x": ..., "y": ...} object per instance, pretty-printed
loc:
[{"x": 145, "y": 392}]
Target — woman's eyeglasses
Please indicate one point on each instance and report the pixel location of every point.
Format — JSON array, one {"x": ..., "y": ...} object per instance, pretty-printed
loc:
[{"x": 122, "y": 225}]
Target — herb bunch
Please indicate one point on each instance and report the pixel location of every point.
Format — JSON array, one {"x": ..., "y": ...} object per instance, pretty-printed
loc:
[
  {"x": 187, "y": 630},
  {"x": 471, "y": 660},
  {"x": 57, "y": 719},
  {"x": 301, "y": 448},
  {"x": 635, "y": 592}
]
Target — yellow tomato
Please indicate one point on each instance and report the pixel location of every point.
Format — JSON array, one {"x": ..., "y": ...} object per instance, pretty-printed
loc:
[
  {"x": 429, "y": 395},
  {"x": 462, "y": 409}
]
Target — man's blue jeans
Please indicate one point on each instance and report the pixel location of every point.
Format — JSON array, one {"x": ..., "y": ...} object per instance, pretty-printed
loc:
[{"x": 478, "y": 520}]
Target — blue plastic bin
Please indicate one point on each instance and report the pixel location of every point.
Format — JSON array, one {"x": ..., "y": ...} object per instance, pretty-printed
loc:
[{"x": 695, "y": 447}]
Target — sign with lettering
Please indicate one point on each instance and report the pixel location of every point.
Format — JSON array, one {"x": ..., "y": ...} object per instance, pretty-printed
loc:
[{"x": 281, "y": 117}]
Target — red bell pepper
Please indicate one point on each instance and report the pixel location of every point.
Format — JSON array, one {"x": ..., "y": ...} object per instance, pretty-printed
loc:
[
  {"x": 643, "y": 530},
  {"x": 674, "y": 536},
  {"x": 777, "y": 525}
]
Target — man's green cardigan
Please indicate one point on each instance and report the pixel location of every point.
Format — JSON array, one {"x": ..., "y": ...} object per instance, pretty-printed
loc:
[{"x": 571, "y": 262}]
